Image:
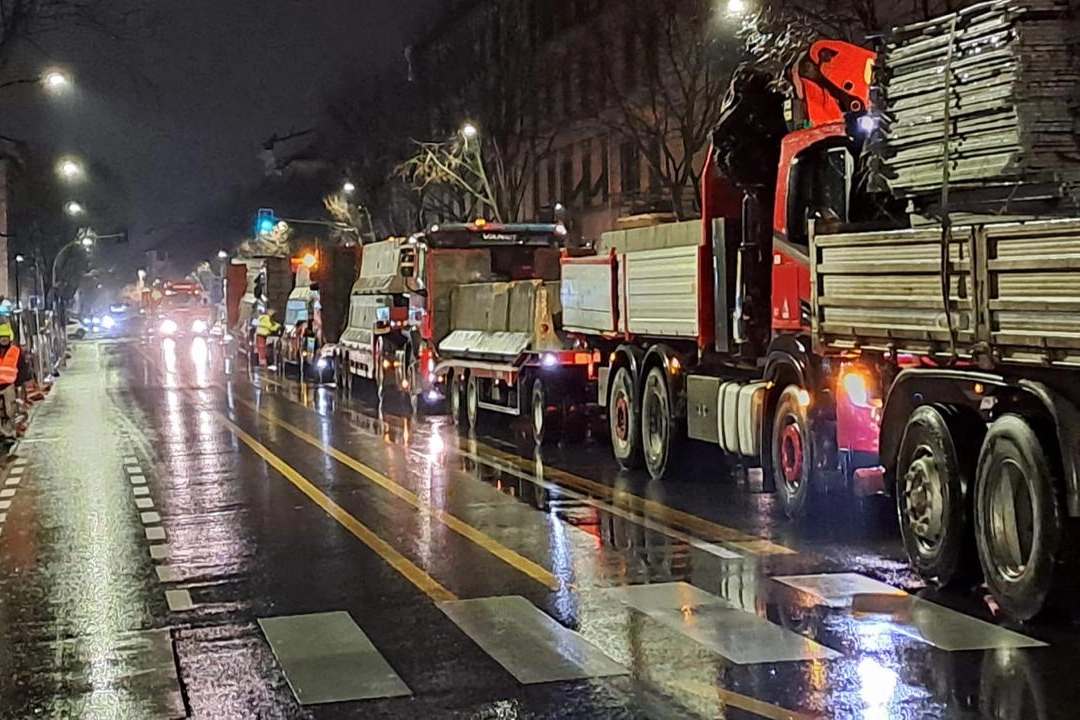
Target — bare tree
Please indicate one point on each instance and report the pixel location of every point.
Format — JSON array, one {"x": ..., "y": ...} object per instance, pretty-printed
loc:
[
  {"x": 492, "y": 83},
  {"x": 668, "y": 101}
]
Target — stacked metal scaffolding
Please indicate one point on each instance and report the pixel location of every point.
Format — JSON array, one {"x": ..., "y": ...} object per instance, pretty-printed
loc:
[{"x": 984, "y": 102}]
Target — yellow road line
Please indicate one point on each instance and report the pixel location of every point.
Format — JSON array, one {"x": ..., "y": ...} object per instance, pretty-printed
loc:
[
  {"x": 510, "y": 557},
  {"x": 697, "y": 526},
  {"x": 429, "y": 585},
  {"x": 740, "y": 701}
]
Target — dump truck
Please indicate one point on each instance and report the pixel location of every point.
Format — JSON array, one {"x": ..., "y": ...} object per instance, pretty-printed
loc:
[
  {"x": 267, "y": 284},
  {"x": 846, "y": 336}
]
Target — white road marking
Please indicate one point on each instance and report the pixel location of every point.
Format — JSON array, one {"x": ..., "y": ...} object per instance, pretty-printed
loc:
[
  {"x": 8, "y": 493},
  {"x": 144, "y": 503},
  {"x": 159, "y": 552},
  {"x": 131, "y": 460},
  {"x": 149, "y": 518},
  {"x": 138, "y": 480},
  {"x": 906, "y": 614},
  {"x": 140, "y": 491},
  {"x": 155, "y": 533},
  {"x": 17, "y": 470},
  {"x": 167, "y": 574},
  {"x": 179, "y": 600},
  {"x": 133, "y": 470},
  {"x": 5, "y": 504},
  {"x": 12, "y": 481},
  {"x": 20, "y": 461},
  {"x": 3, "y": 518}
]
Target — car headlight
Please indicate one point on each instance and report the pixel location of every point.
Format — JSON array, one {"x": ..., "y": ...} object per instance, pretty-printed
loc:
[
  {"x": 168, "y": 327},
  {"x": 199, "y": 326},
  {"x": 107, "y": 322}
]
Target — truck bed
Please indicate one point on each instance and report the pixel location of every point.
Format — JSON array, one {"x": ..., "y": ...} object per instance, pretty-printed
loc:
[
  {"x": 1014, "y": 295},
  {"x": 502, "y": 319}
]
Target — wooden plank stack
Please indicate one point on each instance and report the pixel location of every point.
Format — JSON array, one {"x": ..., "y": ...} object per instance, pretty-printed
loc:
[{"x": 985, "y": 100}]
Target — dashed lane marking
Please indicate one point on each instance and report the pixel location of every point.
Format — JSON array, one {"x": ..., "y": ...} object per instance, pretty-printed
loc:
[
  {"x": 510, "y": 557},
  {"x": 150, "y": 518},
  {"x": 20, "y": 461},
  {"x": 155, "y": 533},
  {"x": 138, "y": 480},
  {"x": 17, "y": 470},
  {"x": 429, "y": 585},
  {"x": 140, "y": 491},
  {"x": 167, "y": 574},
  {"x": 8, "y": 493},
  {"x": 144, "y": 503},
  {"x": 179, "y": 600},
  {"x": 12, "y": 481},
  {"x": 5, "y": 504},
  {"x": 159, "y": 552},
  {"x": 3, "y": 518},
  {"x": 131, "y": 460},
  {"x": 133, "y": 470}
]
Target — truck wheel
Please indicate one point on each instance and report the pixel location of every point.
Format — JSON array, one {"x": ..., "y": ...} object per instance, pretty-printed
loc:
[
  {"x": 931, "y": 497},
  {"x": 456, "y": 395},
  {"x": 792, "y": 458},
  {"x": 656, "y": 425},
  {"x": 472, "y": 401},
  {"x": 1018, "y": 521},
  {"x": 623, "y": 420},
  {"x": 544, "y": 421}
]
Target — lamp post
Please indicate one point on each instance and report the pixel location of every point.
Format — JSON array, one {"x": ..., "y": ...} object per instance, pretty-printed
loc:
[{"x": 19, "y": 260}]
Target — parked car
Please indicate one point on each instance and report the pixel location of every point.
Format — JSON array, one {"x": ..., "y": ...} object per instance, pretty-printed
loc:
[{"x": 75, "y": 329}]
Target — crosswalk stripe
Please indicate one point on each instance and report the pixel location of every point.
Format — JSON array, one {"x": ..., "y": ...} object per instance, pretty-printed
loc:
[
  {"x": 527, "y": 642},
  {"x": 911, "y": 616},
  {"x": 740, "y": 636},
  {"x": 327, "y": 658}
]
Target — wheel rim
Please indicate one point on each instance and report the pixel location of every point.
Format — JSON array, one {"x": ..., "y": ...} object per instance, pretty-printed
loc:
[
  {"x": 655, "y": 422},
  {"x": 622, "y": 418},
  {"x": 1012, "y": 519},
  {"x": 792, "y": 452},
  {"x": 924, "y": 500}
]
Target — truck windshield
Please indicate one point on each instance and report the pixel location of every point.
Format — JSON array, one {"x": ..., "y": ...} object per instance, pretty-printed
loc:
[{"x": 180, "y": 302}]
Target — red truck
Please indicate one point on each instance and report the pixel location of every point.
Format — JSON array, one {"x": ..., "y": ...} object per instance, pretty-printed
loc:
[
  {"x": 816, "y": 328},
  {"x": 178, "y": 309}
]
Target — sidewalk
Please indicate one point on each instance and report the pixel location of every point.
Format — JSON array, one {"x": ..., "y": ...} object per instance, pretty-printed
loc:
[{"x": 79, "y": 603}]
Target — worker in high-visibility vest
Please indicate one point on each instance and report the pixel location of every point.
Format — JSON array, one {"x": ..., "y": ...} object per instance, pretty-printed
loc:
[
  {"x": 264, "y": 328},
  {"x": 14, "y": 373}
]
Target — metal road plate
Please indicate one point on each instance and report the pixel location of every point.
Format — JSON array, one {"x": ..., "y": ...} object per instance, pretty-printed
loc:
[
  {"x": 327, "y": 658},
  {"x": 740, "y": 636},
  {"x": 528, "y": 642},
  {"x": 911, "y": 616}
]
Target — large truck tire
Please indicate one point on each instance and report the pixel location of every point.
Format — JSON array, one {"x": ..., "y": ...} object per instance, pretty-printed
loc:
[
  {"x": 657, "y": 426},
  {"x": 624, "y": 416},
  {"x": 545, "y": 419},
  {"x": 455, "y": 398},
  {"x": 933, "y": 472},
  {"x": 1019, "y": 522},
  {"x": 472, "y": 401},
  {"x": 792, "y": 453}
]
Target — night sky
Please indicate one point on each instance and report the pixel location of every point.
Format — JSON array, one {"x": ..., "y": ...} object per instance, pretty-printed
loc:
[{"x": 179, "y": 107}]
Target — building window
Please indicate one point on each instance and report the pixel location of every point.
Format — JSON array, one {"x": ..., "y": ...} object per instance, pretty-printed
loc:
[
  {"x": 588, "y": 192},
  {"x": 630, "y": 166},
  {"x": 630, "y": 57},
  {"x": 568, "y": 178}
]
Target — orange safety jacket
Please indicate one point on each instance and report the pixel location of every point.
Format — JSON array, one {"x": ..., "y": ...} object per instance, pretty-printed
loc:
[{"x": 9, "y": 365}]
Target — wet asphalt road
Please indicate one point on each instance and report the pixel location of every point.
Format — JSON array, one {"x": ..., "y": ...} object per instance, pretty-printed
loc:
[{"x": 178, "y": 540}]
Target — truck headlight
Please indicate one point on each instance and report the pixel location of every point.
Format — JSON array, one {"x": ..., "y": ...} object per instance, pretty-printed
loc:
[
  {"x": 168, "y": 327},
  {"x": 199, "y": 326}
]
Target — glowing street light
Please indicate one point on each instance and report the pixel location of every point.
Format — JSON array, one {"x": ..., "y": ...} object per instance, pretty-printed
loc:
[
  {"x": 309, "y": 261},
  {"x": 736, "y": 8},
  {"x": 74, "y": 209},
  {"x": 87, "y": 242},
  {"x": 223, "y": 255},
  {"x": 469, "y": 131},
  {"x": 69, "y": 169},
  {"x": 56, "y": 81},
  {"x": 349, "y": 187}
]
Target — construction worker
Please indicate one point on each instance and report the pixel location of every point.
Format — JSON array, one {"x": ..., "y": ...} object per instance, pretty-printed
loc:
[
  {"x": 266, "y": 327},
  {"x": 14, "y": 373}
]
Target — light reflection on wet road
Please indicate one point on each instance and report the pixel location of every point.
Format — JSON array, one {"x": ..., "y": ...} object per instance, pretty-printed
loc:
[{"x": 182, "y": 533}]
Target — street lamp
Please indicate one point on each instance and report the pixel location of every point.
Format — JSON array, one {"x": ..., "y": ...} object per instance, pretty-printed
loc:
[
  {"x": 69, "y": 169},
  {"x": 222, "y": 255},
  {"x": 349, "y": 187},
  {"x": 87, "y": 242},
  {"x": 19, "y": 260},
  {"x": 736, "y": 8},
  {"x": 56, "y": 81},
  {"x": 469, "y": 131},
  {"x": 74, "y": 209}
]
